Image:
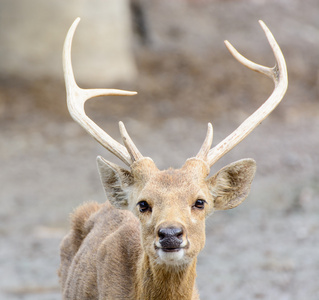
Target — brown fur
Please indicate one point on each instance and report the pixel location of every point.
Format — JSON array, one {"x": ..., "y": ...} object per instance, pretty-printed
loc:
[
  {"x": 79, "y": 223},
  {"x": 112, "y": 253}
]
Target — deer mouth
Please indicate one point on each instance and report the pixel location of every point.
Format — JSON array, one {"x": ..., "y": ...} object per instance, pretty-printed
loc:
[{"x": 171, "y": 249}]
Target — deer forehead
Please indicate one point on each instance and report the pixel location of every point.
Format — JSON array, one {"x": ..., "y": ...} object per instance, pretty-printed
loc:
[{"x": 173, "y": 186}]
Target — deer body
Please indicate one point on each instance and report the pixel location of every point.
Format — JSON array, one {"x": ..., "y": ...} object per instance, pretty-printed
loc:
[{"x": 144, "y": 241}]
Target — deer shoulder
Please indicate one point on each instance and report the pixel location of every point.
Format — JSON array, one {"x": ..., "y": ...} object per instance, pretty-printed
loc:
[{"x": 101, "y": 248}]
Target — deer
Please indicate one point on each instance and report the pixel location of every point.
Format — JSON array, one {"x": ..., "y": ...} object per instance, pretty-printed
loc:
[{"x": 143, "y": 242}]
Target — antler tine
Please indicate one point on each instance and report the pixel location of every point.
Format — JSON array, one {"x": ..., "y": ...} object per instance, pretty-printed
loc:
[
  {"x": 280, "y": 77},
  {"x": 130, "y": 146},
  {"x": 204, "y": 150},
  {"x": 76, "y": 98}
]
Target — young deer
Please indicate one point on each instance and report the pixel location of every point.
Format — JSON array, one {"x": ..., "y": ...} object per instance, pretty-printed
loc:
[{"x": 144, "y": 241}]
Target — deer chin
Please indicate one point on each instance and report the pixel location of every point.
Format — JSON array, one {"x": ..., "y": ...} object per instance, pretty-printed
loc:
[{"x": 172, "y": 257}]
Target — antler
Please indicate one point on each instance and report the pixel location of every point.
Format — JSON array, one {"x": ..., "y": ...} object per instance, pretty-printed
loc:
[
  {"x": 280, "y": 77},
  {"x": 76, "y": 98}
]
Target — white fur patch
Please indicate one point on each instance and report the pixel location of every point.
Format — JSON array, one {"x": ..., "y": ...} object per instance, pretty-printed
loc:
[{"x": 171, "y": 258}]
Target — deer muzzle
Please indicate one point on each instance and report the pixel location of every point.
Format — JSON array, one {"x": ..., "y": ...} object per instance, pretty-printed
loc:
[{"x": 170, "y": 238}]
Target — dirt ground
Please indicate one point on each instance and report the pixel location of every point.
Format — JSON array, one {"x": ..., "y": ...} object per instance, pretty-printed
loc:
[{"x": 267, "y": 248}]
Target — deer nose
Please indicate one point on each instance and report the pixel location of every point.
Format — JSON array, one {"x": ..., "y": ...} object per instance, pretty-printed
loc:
[{"x": 170, "y": 237}]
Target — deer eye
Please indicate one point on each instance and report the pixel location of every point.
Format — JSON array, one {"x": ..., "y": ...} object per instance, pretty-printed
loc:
[
  {"x": 144, "y": 207},
  {"x": 199, "y": 203}
]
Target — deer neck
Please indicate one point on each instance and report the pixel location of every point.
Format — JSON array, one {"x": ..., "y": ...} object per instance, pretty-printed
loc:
[{"x": 156, "y": 281}]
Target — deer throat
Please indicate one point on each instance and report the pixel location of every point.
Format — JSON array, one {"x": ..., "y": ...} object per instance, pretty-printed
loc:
[{"x": 159, "y": 281}]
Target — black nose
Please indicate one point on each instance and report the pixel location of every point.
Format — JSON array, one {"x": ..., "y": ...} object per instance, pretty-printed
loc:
[{"x": 170, "y": 237}]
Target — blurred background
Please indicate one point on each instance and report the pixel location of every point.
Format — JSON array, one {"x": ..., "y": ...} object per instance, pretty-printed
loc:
[{"x": 172, "y": 53}]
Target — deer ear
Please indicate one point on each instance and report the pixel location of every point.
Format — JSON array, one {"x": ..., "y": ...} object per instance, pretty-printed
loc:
[
  {"x": 231, "y": 185},
  {"x": 116, "y": 182}
]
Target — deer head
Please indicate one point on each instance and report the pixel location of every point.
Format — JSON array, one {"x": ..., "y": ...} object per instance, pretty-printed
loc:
[{"x": 172, "y": 204}]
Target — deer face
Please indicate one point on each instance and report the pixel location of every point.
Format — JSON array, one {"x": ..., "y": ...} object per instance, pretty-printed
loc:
[{"x": 172, "y": 205}]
